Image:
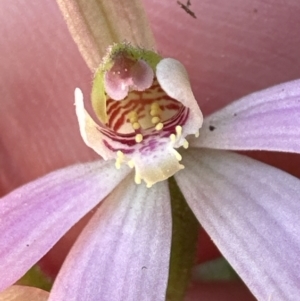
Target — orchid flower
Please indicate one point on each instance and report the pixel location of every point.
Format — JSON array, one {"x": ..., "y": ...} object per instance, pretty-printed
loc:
[{"x": 210, "y": 129}]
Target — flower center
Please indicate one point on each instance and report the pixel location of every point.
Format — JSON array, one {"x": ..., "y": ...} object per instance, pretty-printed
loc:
[{"x": 146, "y": 108}]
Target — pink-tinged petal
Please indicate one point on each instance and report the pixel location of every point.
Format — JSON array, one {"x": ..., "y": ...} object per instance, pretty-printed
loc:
[
  {"x": 95, "y": 25},
  {"x": 123, "y": 253},
  {"x": 265, "y": 120},
  {"x": 23, "y": 293},
  {"x": 35, "y": 216},
  {"x": 219, "y": 291},
  {"x": 251, "y": 211}
]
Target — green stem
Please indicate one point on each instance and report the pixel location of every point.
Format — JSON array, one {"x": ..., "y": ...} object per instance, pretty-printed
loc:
[{"x": 184, "y": 244}]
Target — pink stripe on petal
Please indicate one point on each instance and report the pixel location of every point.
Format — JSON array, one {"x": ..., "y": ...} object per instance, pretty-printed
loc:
[
  {"x": 35, "y": 216},
  {"x": 251, "y": 211},
  {"x": 23, "y": 293},
  {"x": 265, "y": 120},
  {"x": 123, "y": 253}
]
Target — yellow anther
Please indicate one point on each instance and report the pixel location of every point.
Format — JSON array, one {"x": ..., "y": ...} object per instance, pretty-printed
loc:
[
  {"x": 149, "y": 185},
  {"x": 185, "y": 144},
  {"x": 138, "y": 138},
  {"x": 120, "y": 154},
  {"x": 136, "y": 125},
  {"x": 173, "y": 137},
  {"x": 177, "y": 155},
  {"x": 133, "y": 116},
  {"x": 154, "y": 112},
  {"x": 130, "y": 163},
  {"x": 118, "y": 164},
  {"x": 159, "y": 126},
  {"x": 155, "y": 120},
  {"x": 133, "y": 119},
  {"x": 178, "y": 130},
  {"x": 137, "y": 179},
  {"x": 197, "y": 134},
  {"x": 154, "y": 105},
  {"x": 119, "y": 160}
]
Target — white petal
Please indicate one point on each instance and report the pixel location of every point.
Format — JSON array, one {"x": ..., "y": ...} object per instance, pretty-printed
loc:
[{"x": 174, "y": 80}]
